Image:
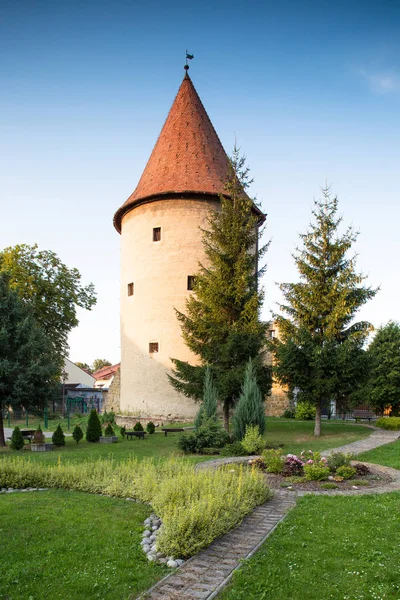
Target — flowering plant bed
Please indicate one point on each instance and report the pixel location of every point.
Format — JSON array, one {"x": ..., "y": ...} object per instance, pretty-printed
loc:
[{"x": 373, "y": 479}]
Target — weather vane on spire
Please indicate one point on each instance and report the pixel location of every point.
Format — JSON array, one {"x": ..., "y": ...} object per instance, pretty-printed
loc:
[{"x": 188, "y": 57}]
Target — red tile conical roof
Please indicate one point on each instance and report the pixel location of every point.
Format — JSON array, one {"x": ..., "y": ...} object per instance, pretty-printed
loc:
[{"x": 188, "y": 156}]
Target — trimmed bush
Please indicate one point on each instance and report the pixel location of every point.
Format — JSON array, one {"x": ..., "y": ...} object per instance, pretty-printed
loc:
[
  {"x": 138, "y": 426},
  {"x": 210, "y": 434},
  {"x": 187, "y": 443},
  {"x": 150, "y": 428},
  {"x": 250, "y": 409},
  {"x": 305, "y": 411},
  {"x": 77, "y": 434},
  {"x": 274, "y": 461},
  {"x": 252, "y": 442},
  {"x": 346, "y": 471},
  {"x": 17, "y": 439},
  {"x": 58, "y": 437},
  {"x": 93, "y": 431},
  {"x": 109, "y": 431},
  {"x": 316, "y": 471},
  {"x": 234, "y": 449},
  {"x": 338, "y": 459},
  {"x": 390, "y": 423}
]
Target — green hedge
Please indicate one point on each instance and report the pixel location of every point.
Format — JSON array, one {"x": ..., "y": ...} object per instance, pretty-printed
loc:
[
  {"x": 391, "y": 423},
  {"x": 195, "y": 506}
]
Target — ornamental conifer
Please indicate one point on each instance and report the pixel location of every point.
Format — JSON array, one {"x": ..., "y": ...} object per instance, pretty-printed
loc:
[
  {"x": 93, "y": 431},
  {"x": 250, "y": 409},
  {"x": 58, "y": 437},
  {"x": 208, "y": 408},
  {"x": 77, "y": 434},
  {"x": 17, "y": 439}
]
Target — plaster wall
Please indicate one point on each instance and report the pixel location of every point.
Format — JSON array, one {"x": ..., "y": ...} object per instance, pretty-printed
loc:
[{"x": 159, "y": 272}]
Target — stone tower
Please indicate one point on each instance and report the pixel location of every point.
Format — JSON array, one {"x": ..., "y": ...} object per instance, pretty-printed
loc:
[{"x": 161, "y": 246}]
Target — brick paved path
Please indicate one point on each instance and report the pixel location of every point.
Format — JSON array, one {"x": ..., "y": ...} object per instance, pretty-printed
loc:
[{"x": 207, "y": 573}]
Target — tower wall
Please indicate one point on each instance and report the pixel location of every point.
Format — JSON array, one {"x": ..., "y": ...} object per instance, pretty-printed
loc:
[{"x": 159, "y": 271}]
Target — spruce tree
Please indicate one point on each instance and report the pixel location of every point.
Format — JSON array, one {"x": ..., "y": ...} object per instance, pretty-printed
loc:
[
  {"x": 77, "y": 434},
  {"x": 208, "y": 408},
  {"x": 383, "y": 389},
  {"x": 250, "y": 409},
  {"x": 17, "y": 439},
  {"x": 319, "y": 349},
  {"x": 221, "y": 325},
  {"x": 58, "y": 437},
  {"x": 109, "y": 431},
  {"x": 93, "y": 431}
]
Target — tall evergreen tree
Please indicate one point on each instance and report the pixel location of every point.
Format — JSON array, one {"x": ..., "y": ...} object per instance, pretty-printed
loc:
[
  {"x": 221, "y": 325},
  {"x": 250, "y": 409},
  {"x": 319, "y": 349},
  {"x": 209, "y": 406},
  {"x": 28, "y": 368},
  {"x": 383, "y": 388}
]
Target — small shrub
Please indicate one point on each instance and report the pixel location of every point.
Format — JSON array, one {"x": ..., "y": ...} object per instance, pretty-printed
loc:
[
  {"x": 210, "y": 434},
  {"x": 150, "y": 427},
  {"x": 338, "y": 459},
  {"x": 58, "y": 437},
  {"x": 122, "y": 431},
  {"x": 328, "y": 486},
  {"x": 109, "y": 431},
  {"x": 77, "y": 434},
  {"x": 138, "y": 427},
  {"x": 362, "y": 469},
  {"x": 253, "y": 442},
  {"x": 360, "y": 482},
  {"x": 274, "y": 461},
  {"x": 187, "y": 443},
  {"x": 296, "y": 479},
  {"x": 17, "y": 439},
  {"x": 108, "y": 417},
  {"x": 390, "y": 423},
  {"x": 234, "y": 449},
  {"x": 293, "y": 466},
  {"x": 93, "y": 431},
  {"x": 289, "y": 413},
  {"x": 258, "y": 463},
  {"x": 305, "y": 411},
  {"x": 210, "y": 451},
  {"x": 315, "y": 471},
  {"x": 346, "y": 471},
  {"x": 38, "y": 436}
]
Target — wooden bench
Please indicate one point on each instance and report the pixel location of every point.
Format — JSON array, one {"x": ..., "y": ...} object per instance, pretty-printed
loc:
[
  {"x": 138, "y": 434},
  {"x": 363, "y": 414},
  {"x": 167, "y": 430}
]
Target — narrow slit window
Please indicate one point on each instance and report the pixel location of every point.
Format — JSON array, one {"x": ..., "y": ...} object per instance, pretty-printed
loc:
[
  {"x": 156, "y": 234},
  {"x": 153, "y": 347},
  {"x": 131, "y": 289},
  {"x": 191, "y": 280}
]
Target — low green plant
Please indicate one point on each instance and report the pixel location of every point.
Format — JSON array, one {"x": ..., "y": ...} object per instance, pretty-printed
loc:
[
  {"x": 109, "y": 431},
  {"x": 274, "y": 460},
  {"x": 315, "y": 471},
  {"x": 328, "y": 486},
  {"x": 338, "y": 459},
  {"x": 150, "y": 427},
  {"x": 93, "y": 431},
  {"x": 210, "y": 434},
  {"x": 77, "y": 434},
  {"x": 58, "y": 437},
  {"x": 253, "y": 442},
  {"x": 138, "y": 426},
  {"x": 187, "y": 442},
  {"x": 210, "y": 451},
  {"x": 305, "y": 411},
  {"x": 122, "y": 431},
  {"x": 38, "y": 436},
  {"x": 346, "y": 471},
  {"x": 289, "y": 413},
  {"x": 296, "y": 479},
  {"x": 234, "y": 449},
  {"x": 17, "y": 439},
  {"x": 360, "y": 482},
  {"x": 108, "y": 417},
  {"x": 390, "y": 423}
]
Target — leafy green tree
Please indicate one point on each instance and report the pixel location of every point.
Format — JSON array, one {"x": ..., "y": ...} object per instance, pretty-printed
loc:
[
  {"x": 99, "y": 363},
  {"x": 58, "y": 437},
  {"x": 384, "y": 381},
  {"x": 51, "y": 289},
  {"x": 85, "y": 367},
  {"x": 77, "y": 434},
  {"x": 319, "y": 350},
  {"x": 221, "y": 324},
  {"x": 93, "y": 431},
  {"x": 250, "y": 409},
  {"x": 28, "y": 371},
  {"x": 208, "y": 408}
]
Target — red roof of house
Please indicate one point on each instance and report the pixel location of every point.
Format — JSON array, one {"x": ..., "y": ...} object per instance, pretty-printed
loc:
[
  {"x": 188, "y": 157},
  {"x": 106, "y": 372}
]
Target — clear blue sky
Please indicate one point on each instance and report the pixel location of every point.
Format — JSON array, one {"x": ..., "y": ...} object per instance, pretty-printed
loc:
[{"x": 310, "y": 89}]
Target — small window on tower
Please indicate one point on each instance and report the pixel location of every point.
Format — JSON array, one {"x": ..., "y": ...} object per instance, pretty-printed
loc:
[
  {"x": 272, "y": 333},
  {"x": 191, "y": 281},
  {"x": 131, "y": 289},
  {"x": 156, "y": 234},
  {"x": 153, "y": 347}
]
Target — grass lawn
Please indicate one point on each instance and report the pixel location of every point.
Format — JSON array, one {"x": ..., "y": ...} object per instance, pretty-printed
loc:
[
  {"x": 342, "y": 548},
  {"x": 60, "y": 544},
  {"x": 387, "y": 455}
]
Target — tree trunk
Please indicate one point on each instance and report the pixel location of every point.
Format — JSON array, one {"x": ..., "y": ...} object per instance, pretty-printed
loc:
[
  {"x": 226, "y": 416},
  {"x": 2, "y": 436},
  {"x": 317, "y": 428}
]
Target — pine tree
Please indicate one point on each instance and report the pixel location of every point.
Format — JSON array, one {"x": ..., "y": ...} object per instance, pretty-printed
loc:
[
  {"x": 28, "y": 367},
  {"x": 77, "y": 434},
  {"x": 58, "y": 437},
  {"x": 208, "y": 408},
  {"x": 383, "y": 390},
  {"x": 250, "y": 409},
  {"x": 221, "y": 324},
  {"x": 17, "y": 439},
  {"x": 109, "y": 431},
  {"x": 319, "y": 349},
  {"x": 93, "y": 431}
]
